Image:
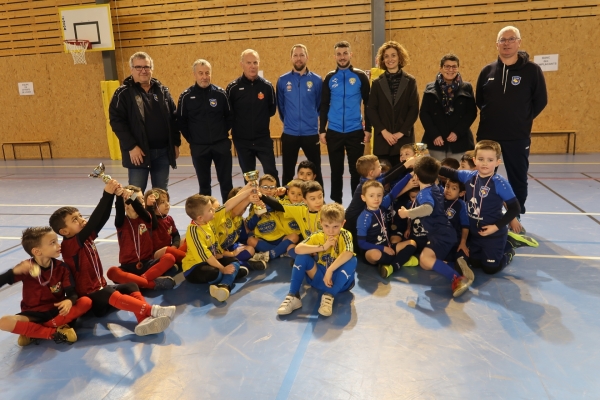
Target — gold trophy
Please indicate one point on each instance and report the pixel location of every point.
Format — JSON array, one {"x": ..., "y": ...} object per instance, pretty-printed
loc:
[
  {"x": 99, "y": 173},
  {"x": 419, "y": 149},
  {"x": 252, "y": 178}
]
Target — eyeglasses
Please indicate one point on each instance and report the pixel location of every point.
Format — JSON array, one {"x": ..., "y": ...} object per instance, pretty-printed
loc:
[
  {"x": 510, "y": 40},
  {"x": 139, "y": 68},
  {"x": 450, "y": 67},
  {"x": 265, "y": 187}
]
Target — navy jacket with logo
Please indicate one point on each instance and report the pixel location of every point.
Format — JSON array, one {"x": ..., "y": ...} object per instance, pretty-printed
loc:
[
  {"x": 343, "y": 91},
  {"x": 510, "y": 97},
  {"x": 204, "y": 115},
  {"x": 298, "y": 101},
  {"x": 253, "y": 103}
]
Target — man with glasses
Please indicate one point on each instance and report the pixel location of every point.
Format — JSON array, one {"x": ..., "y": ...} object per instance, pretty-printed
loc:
[
  {"x": 511, "y": 92},
  {"x": 143, "y": 116},
  {"x": 204, "y": 119}
]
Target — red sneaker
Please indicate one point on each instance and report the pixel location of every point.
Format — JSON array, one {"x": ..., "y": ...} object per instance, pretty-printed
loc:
[{"x": 460, "y": 284}]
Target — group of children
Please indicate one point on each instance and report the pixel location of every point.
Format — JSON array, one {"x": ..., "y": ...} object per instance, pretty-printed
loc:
[{"x": 434, "y": 212}]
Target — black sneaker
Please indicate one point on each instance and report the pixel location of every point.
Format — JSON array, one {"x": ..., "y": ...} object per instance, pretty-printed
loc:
[
  {"x": 257, "y": 265},
  {"x": 509, "y": 256},
  {"x": 164, "y": 283},
  {"x": 242, "y": 273}
]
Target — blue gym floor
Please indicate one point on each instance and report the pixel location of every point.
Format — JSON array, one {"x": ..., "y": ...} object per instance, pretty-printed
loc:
[{"x": 529, "y": 332}]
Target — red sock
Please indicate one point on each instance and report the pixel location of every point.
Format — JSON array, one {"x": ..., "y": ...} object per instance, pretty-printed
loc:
[
  {"x": 33, "y": 330},
  {"x": 117, "y": 275},
  {"x": 139, "y": 308},
  {"x": 81, "y": 306},
  {"x": 158, "y": 269},
  {"x": 183, "y": 247},
  {"x": 177, "y": 253}
]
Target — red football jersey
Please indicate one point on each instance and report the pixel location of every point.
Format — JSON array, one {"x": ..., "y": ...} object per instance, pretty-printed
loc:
[
  {"x": 135, "y": 233},
  {"x": 84, "y": 261},
  {"x": 40, "y": 298},
  {"x": 161, "y": 236}
]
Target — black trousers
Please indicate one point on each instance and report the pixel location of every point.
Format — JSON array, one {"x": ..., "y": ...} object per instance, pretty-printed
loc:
[
  {"x": 205, "y": 272},
  {"x": 249, "y": 151},
  {"x": 291, "y": 145},
  {"x": 515, "y": 155},
  {"x": 203, "y": 157},
  {"x": 338, "y": 144}
]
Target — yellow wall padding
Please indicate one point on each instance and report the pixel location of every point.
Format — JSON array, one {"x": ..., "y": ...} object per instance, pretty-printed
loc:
[{"x": 108, "y": 89}]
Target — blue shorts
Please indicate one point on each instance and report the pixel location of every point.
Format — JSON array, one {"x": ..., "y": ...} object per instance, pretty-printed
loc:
[
  {"x": 489, "y": 250},
  {"x": 345, "y": 272},
  {"x": 440, "y": 247}
]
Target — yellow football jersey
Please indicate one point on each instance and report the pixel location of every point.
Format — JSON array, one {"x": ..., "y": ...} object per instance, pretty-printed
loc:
[{"x": 327, "y": 257}]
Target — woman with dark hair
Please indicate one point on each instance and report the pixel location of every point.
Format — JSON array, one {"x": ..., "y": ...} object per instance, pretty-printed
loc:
[
  {"x": 393, "y": 103},
  {"x": 447, "y": 112}
]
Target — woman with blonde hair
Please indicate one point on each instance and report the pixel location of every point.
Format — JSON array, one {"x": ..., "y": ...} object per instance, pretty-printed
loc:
[{"x": 393, "y": 103}]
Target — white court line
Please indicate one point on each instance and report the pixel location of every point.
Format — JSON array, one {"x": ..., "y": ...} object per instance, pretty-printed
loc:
[
  {"x": 95, "y": 240},
  {"x": 556, "y": 256},
  {"x": 182, "y": 207}
]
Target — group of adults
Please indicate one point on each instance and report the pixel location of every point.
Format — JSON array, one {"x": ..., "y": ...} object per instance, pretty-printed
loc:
[{"x": 510, "y": 93}]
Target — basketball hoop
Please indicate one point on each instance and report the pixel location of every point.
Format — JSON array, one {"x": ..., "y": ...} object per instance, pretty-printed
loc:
[{"x": 77, "y": 49}]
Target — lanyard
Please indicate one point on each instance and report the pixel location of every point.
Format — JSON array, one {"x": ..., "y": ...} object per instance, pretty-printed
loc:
[
  {"x": 383, "y": 228},
  {"x": 478, "y": 210},
  {"x": 137, "y": 245},
  {"x": 38, "y": 277},
  {"x": 95, "y": 260}
]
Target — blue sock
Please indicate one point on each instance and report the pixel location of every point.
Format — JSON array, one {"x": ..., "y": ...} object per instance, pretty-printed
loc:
[
  {"x": 303, "y": 263},
  {"x": 292, "y": 252},
  {"x": 280, "y": 248},
  {"x": 263, "y": 246},
  {"x": 229, "y": 278},
  {"x": 243, "y": 256},
  {"x": 444, "y": 269}
]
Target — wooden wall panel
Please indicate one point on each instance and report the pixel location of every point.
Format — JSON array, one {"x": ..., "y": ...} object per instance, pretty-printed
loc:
[{"x": 572, "y": 103}]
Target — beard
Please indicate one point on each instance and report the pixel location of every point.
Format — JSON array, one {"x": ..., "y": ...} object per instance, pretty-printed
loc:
[
  {"x": 299, "y": 68},
  {"x": 346, "y": 65}
]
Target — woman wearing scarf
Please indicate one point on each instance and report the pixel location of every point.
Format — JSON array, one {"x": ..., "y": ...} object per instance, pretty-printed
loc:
[
  {"x": 393, "y": 103},
  {"x": 447, "y": 112}
]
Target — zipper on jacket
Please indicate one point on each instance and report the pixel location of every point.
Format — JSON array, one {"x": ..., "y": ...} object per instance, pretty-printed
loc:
[{"x": 344, "y": 106}]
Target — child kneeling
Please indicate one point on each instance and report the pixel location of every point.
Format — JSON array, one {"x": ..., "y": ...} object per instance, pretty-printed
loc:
[{"x": 333, "y": 272}]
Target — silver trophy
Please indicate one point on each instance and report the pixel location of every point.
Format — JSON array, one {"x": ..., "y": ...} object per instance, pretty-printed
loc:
[
  {"x": 419, "y": 148},
  {"x": 252, "y": 178},
  {"x": 99, "y": 173}
]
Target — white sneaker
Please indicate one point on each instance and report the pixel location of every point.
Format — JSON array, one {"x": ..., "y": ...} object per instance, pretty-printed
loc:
[
  {"x": 219, "y": 292},
  {"x": 290, "y": 304},
  {"x": 159, "y": 311},
  {"x": 264, "y": 256},
  {"x": 326, "y": 307},
  {"x": 152, "y": 325},
  {"x": 466, "y": 271}
]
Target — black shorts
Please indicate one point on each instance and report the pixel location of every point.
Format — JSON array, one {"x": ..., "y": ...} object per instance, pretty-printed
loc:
[
  {"x": 100, "y": 302},
  {"x": 204, "y": 272},
  {"x": 132, "y": 268},
  {"x": 488, "y": 249},
  {"x": 440, "y": 247},
  {"x": 40, "y": 316}
]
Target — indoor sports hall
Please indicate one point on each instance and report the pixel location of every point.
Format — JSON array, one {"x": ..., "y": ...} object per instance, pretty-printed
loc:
[{"x": 528, "y": 332}]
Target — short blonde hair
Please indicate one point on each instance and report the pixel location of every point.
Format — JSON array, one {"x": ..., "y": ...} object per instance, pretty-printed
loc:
[
  {"x": 196, "y": 204},
  {"x": 296, "y": 183},
  {"x": 488, "y": 145},
  {"x": 333, "y": 212},
  {"x": 366, "y": 164},
  {"x": 303, "y": 47},
  {"x": 371, "y": 184}
]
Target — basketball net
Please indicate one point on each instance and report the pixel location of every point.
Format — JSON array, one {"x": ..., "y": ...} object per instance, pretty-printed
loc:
[{"x": 77, "y": 49}]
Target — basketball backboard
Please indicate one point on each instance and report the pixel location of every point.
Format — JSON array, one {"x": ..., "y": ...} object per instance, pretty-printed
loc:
[{"x": 90, "y": 22}]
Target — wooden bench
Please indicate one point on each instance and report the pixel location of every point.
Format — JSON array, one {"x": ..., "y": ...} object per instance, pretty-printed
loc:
[
  {"x": 566, "y": 133},
  {"x": 38, "y": 143}
]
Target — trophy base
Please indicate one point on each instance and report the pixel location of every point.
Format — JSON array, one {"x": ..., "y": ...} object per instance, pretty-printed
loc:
[{"x": 260, "y": 211}]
